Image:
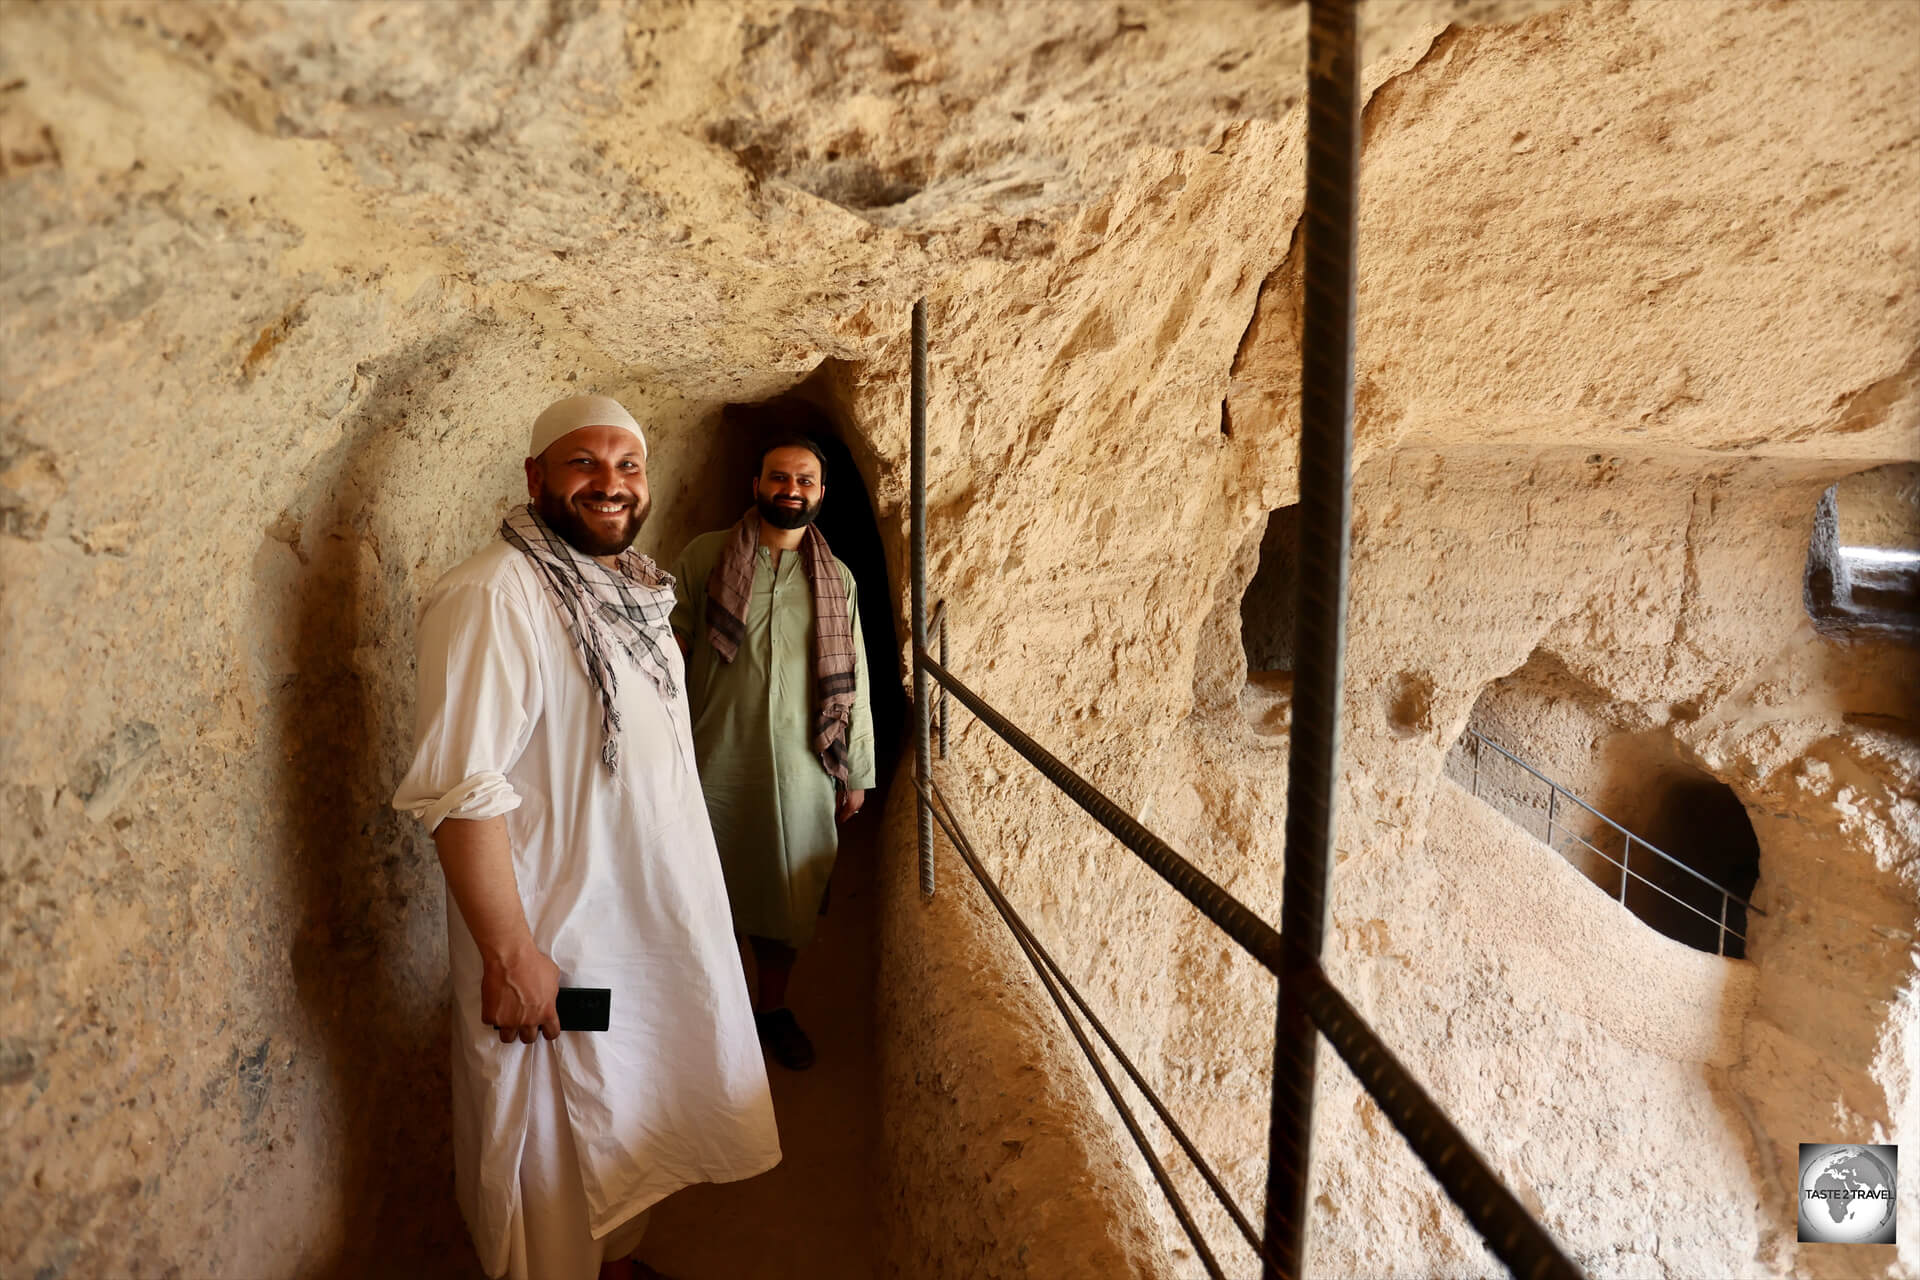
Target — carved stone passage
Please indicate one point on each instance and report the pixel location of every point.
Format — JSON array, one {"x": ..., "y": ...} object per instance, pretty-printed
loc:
[
  {"x": 1863, "y": 561},
  {"x": 1649, "y": 797},
  {"x": 1699, "y": 821},
  {"x": 283, "y": 284}
]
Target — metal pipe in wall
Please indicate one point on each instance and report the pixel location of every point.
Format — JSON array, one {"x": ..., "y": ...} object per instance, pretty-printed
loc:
[
  {"x": 1327, "y": 225},
  {"x": 917, "y": 517}
]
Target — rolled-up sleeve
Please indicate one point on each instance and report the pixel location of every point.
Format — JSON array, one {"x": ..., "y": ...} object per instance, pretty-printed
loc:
[{"x": 479, "y": 696}]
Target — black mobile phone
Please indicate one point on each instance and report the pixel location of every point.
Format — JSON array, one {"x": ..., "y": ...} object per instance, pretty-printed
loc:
[{"x": 584, "y": 1008}]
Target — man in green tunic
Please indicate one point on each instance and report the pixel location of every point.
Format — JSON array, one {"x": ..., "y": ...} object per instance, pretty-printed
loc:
[{"x": 777, "y": 681}]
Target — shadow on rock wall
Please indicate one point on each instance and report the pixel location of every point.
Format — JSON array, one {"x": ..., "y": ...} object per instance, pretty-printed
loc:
[{"x": 368, "y": 958}]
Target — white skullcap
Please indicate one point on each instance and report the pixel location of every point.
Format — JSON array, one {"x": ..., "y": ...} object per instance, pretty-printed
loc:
[{"x": 563, "y": 417}]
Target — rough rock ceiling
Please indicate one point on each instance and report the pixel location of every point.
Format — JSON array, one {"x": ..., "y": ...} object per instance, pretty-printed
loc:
[{"x": 717, "y": 193}]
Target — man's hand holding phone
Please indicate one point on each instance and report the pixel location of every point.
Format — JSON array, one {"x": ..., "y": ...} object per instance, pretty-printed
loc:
[{"x": 517, "y": 992}]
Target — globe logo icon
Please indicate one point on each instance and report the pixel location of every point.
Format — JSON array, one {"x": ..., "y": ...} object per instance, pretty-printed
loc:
[{"x": 1846, "y": 1194}]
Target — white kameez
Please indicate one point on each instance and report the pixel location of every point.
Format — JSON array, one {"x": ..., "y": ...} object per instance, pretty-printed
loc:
[{"x": 622, "y": 888}]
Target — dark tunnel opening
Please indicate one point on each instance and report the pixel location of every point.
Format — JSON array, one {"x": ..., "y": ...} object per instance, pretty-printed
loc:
[
  {"x": 1697, "y": 820},
  {"x": 1267, "y": 608},
  {"x": 1579, "y": 783},
  {"x": 852, "y": 531}
]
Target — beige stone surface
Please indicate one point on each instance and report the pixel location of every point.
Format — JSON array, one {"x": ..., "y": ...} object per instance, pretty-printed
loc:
[
  {"x": 1880, "y": 508},
  {"x": 1498, "y": 581},
  {"x": 1612, "y": 1047},
  {"x": 280, "y": 286},
  {"x": 997, "y": 1163}
]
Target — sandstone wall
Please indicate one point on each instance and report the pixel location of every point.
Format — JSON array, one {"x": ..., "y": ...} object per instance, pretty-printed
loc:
[
  {"x": 281, "y": 285},
  {"x": 266, "y": 380},
  {"x": 1506, "y": 584},
  {"x": 1649, "y": 536},
  {"x": 1880, "y": 508},
  {"x": 997, "y": 1163}
]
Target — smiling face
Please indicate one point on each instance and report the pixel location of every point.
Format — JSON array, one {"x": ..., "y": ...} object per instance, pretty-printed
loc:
[
  {"x": 590, "y": 486},
  {"x": 789, "y": 490}
]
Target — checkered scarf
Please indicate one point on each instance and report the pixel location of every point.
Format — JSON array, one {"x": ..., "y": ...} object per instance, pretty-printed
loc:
[
  {"x": 730, "y": 586},
  {"x": 602, "y": 609}
]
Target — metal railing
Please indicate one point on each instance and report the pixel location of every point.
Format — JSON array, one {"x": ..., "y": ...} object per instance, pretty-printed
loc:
[
  {"x": 1056, "y": 982},
  {"x": 1307, "y": 1005},
  {"x": 1509, "y": 1230},
  {"x": 1557, "y": 794}
]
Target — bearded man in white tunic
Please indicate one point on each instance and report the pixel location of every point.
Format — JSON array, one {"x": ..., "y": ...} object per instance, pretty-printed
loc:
[{"x": 555, "y": 769}]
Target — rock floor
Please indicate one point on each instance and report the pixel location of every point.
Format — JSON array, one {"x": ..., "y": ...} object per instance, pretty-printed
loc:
[{"x": 816, "y": 1215}]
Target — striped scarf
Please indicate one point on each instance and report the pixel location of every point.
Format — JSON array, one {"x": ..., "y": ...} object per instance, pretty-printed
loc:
[
  {"x": 602, "y": 610},
  {"x": 730, "y": 586}
]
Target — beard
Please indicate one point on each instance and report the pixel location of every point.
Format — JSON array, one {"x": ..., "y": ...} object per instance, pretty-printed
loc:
[
  {"x": 566, "y": 520},
  {"x": 788, "y": 517}
]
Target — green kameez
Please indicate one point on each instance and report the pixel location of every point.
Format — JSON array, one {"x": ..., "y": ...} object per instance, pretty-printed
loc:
[{"x": 770, "y": 798}]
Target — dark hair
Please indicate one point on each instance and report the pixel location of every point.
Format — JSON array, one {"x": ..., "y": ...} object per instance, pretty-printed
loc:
[{"x": 811, "y": 445}]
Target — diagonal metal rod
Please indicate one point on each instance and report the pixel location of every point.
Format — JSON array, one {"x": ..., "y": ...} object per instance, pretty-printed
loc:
[
  {"x": 1509, "y": 1230},
  {"x": 951, "y": 824},
  {"x": 1018, "y": 928},
  {"x": 1328, "y": 224},
  {"x": 1459, "y": 1169},
  {"x": 1255, "y": 936}
]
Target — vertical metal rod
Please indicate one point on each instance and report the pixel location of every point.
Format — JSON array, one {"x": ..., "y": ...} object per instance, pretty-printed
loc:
[
  {"x": 944, "y": 666},
  {"x": 1626, "y": 866},
  {"x": 1476, "y": 764},
  {"x": 1723, "y": 922},
  {"x": 1328, "y": 223},
  {"x": 917, "y": 482},
  {"x": 1553, "y": 794}
]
